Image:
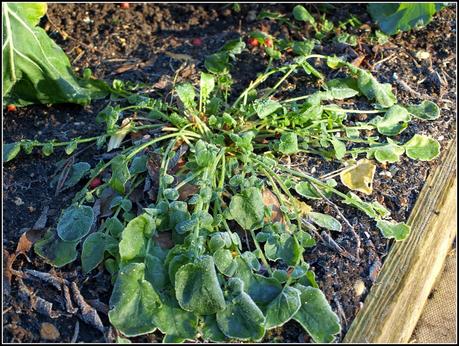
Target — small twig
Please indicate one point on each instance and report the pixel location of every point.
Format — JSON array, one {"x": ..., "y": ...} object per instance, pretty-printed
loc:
[
  {"x": 334, "y": 245},
  {"x": 75, "y": 333},
  {"x": 390, "y": 57},
  {"x": 341, "y": 312}
]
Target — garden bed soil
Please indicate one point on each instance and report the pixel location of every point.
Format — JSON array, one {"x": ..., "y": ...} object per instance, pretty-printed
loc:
[{"x": 135, "y": 45}]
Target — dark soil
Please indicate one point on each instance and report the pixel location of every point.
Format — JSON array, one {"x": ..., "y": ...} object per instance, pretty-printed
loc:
[{"x": 131, "y": 45}]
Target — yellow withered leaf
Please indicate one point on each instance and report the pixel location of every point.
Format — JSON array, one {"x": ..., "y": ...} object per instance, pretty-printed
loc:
[{"x": 359, "y": 177}]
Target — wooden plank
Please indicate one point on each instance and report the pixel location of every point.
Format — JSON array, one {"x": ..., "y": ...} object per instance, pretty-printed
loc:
[{"x": 395, "y": 302}]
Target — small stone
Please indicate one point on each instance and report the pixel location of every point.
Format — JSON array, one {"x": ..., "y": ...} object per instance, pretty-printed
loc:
[
  {"x": 359, "y": 288},
  {"x": 18, "y": 201},
  {"x": 49, "y": 332},
  {"x": 422, "y": 55}
]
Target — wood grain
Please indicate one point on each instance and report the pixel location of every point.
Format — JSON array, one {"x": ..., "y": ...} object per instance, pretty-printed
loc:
[{"x": 396, "y": 300}]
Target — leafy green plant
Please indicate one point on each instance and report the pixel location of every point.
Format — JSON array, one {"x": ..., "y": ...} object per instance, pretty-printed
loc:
[
  {"x": 35, "y": 69},
  {"x": 217, "y": 250},
  {"x": 395, "y": 17}
]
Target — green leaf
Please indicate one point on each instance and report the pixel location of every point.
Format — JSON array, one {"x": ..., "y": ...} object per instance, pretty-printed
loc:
[
  {"x": 133, "y": 238},
  {"x": 247, "y": 208},
  {"x": 138, "y": 165},
  {"x": 206, "y": 86},
  {"x": 283, "y": 308},
  {"x": 233, "y": 47},
  {"x": 325, "y": 221},
  {"x": 423, "y": 148},
  {"x": 305, "y": 189},
  {"x": 303, "y": 47},
  {"x": 56, "y": 251},
  {"x": 398, "y": 231},
  {"x": 394, "y": 121},
  {"x": 316, "y": 315},
  {"x": 241, "y": 319},
  {"x": 210, "y": 330},
  {"x": 71, "y": 147},
  {"x": 75, "y": 223},
  {"x": 77, "y": 172},
  {"x": 373, "y": 90},
  {"x": 283, "y": 247},
  {"x": 427, "y": 110},
  {"x": 10, "y": 151},
  {"x": 300, "y": 13},
  {"x": 114, "y": 226},
  {"x": 187, "y": 95},
  {"x": 197, "y": 288},
  {"x": 288, "y": 144},
  {"x": 47, "y": 149},
  {"x": 390, "y": 152},
  {"x": 94, "y": 247},
  {"x": 120, "y": 174},
  {"x": 339, "y": 147},
  {"x": 134, "y": 303},
  {"x": 217, "y": 63},
  {"x": 265, "y": 107},
  {"x": 395, "y": 17},
  {"x": 35, "y": 68},
  {"x": 174, "y": 321},
  {"x": 224, "y": 262}
]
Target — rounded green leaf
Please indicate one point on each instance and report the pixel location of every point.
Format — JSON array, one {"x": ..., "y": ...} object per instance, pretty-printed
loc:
[
  {"x": 134, "y": 303},
  {"x": 56, "y": 251},
  {"x": 394, "y": 121},
  {"x": 224, "y": 262},
  {"x": 77, "y": 172},
  {"x": 422, "y": 148},
  {"x": 316, "y": 315},
  {"x": 242, "y": 319},
  {"x": 288, "y": 144},
  {"x": 197, "y": 288},
  {"x": 300, "y": 13},
  {"x": 325, "y": 221},
  {"x": 247, "y": 208},
  {"x": 133, "y": 238},
  {"x": 10, "y": 151},
  {"x": 398, "y": 231},
  {"x": 390, "y": 152},
  {"x": 75, "y": 223},
  {"x": 427, "y": 110},
  {"x": 94, "y": 248},
  {"x": 283, "y": 247},
  {"x": 210, "y": 330},
  {"x": 282, "y": 309}
]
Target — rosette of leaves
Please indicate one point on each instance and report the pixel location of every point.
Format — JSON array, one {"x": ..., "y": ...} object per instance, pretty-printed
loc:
[{"x": 177, "y": 261}]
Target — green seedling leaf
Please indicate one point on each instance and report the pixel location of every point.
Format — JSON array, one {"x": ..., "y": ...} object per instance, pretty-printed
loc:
[
  {"x": 114, "y": 226},
  {"x": 316, "y": 315},
  {"x": 373, "y": 90},
  {"x": 120, "y": 174},
  {"x": 109, "y": 115},
  {"x": 283, "y": 247},
  {"x": 71, "y": 147},
  {"x": 397, "y": 231},
  {"x": 325, "y": 221},
  {"x": 56, "y": 251},
  {"x": 427, "y": 110},
  {"x": 233, "y": 47},
  {"x": 217, "y": 63},
  {"x": 77, "y": 172},
  {"x": 207, "y": 84},
  {"x": 251, "y": 260},
  {"x": 265, "y": 107},
  {"x": 395, "y": 17},
  {"x": 138, "y": 165},
  {"x": 423, "y": 148},
  {"x": 241, "y": 318},
  {"x": 357, "y": 202},
  {"x": 288, "y": 144},
  {"x": 174, "y": 321},
  {"x": 247, "y": 208},
  {"x": 390, "y": 152},
  {"x": 35, "y": 68},
  {"x": 75, "y": 223},
  {"x": 339, "y": 147},
  {"x": 394, "y": 121},
  {"x": 301, "y": 14},
  {"x": 155, "y": 272},
  {"x": 133, "y": 238},
  {"x": 303, "y": 47},
  {"x": 359, "y": 177},
  {"x": 10, "y": 151},
  {"x": 134, "y": 303},
  {"x": 225, "y": 262},
  {"x": 210, "y": 330},
  {"x": 197, "y": 288},
  {"x": 47, "y": 149},
  {"x": 283, "y": 308},
  {"x": 94, "y": 248},
  {"x": 186, "y": 94}
]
